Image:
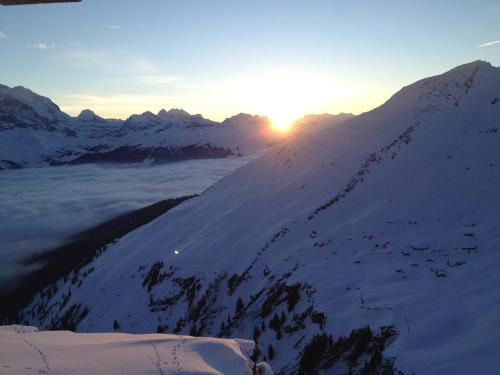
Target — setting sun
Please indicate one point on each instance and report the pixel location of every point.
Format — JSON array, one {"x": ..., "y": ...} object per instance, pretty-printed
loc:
[
  {"x": 285, "y": 96},
  {"x": 279, "y": 126},
  {"x": 282, "y": 122}
]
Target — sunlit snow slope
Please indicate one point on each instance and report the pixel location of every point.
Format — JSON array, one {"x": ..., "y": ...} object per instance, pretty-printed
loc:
[
  {"x": 389, "y": 221},
  {"x": 24, "y": 350}
]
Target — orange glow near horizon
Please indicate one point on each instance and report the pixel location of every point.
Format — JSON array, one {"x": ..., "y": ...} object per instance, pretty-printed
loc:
[
  {"x": 282, "y": 123},
  {"x": 285, "y": 96}
]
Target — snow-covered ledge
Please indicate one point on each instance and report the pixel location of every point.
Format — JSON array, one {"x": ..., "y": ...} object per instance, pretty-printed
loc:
[{"x": 25, "y": 348}]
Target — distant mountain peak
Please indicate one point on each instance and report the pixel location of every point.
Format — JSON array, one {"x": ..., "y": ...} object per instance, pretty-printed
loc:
[
  {"x": 245, "y": 119},
  {"x": 177, "y": 115},
  {"x": 243, "y": 115},
  {"x": 181, "y": 117},
  {"x": 174, "y": 112},
  {"x": 144, "y": 119},
  {"x": 42, "y": 105},
  {"x": 89, "y": 116}
]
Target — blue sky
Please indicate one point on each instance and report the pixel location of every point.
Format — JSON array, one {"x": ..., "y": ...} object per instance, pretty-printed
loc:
[{"x": 219, "y": 58}]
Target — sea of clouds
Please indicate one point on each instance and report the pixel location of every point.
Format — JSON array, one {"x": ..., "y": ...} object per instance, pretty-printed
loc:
[{"x": 41, "y": 207}]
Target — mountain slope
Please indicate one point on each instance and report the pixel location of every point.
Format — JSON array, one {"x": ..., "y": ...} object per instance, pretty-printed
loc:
[{"x": 390, "y": 221}]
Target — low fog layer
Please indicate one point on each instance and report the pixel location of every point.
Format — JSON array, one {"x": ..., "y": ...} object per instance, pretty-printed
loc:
[{"x": 41, "y": 207}]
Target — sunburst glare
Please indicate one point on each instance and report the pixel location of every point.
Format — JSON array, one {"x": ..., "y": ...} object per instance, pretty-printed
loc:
[{"x": 286, "y": 96}]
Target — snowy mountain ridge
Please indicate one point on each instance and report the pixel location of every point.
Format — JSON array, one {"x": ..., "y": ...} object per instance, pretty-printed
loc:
[
  {"x": 41, "y": 105},
  {"x": 89, "y": 116},
  {"x": 365, "y": 248},
  {"x": 34, "y": 132}
]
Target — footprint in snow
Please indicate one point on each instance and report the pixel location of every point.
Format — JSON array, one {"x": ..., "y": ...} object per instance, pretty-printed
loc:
[
  {"x": 40, "y": 353},
  {"x": 158, "y": 360}
]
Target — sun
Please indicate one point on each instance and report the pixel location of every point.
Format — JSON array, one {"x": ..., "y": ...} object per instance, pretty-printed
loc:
[
  {"x": 281, "y": 127},
  {"x": 282, "y": 122},
  {"x": 284, "y": 96}
]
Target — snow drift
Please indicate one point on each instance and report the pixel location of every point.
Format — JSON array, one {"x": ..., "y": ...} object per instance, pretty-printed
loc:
[{"x": 24, "y": 349}]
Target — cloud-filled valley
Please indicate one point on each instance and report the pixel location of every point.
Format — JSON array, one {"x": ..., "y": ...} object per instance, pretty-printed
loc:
[{"x": 41, "y": 207}]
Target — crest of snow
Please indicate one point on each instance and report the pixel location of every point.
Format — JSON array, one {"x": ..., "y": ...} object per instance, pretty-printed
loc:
[
  {"x": 118, "y": 353},
  {"x": 40, "y": 104},
  {"x": 88, "y": 116}
]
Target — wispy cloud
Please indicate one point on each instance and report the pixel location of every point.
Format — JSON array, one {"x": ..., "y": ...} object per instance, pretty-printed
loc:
[
  {"x": 115, "y": 27},
  {"x": 3, "y": 35},
  {"x": 43, "y": 45},
  {"x": 488, "y": 44},
  {"x": 110, "y": 60}
]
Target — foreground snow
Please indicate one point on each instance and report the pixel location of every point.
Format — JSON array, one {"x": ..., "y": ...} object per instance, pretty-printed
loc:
[{"x": 25, "y": 350}]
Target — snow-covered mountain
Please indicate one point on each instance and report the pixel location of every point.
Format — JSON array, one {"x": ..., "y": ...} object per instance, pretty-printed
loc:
[
  {"x": 25, "y": 349},
  {"x": 317, "y": 122},
  {"x": 34, "y": 132},
  {"x": 368, "y": 247}
]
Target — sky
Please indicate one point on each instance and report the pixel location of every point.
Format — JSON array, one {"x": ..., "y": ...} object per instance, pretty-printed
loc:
[{"x": 220, "y": 58}]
